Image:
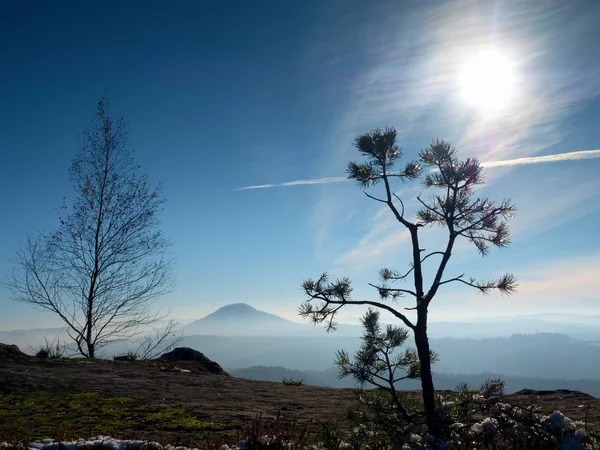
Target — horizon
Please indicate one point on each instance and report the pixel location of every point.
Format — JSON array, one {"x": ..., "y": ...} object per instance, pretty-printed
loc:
[
  {"x": 187, "y": 321},
  {"x": 249, "y": 117}
]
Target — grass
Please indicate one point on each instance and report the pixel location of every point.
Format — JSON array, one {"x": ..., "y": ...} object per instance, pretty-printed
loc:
[
  {"x": 43, "y": 414},
  {"x": 177, "y": 419}
]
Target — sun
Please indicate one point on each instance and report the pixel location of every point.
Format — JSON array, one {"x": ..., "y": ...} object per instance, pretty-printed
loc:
[{"x": 487, "y": 81}]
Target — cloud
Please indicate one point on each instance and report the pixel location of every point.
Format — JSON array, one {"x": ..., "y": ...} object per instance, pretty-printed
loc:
[
  {"x": 295, "y": 183},
  {"x": 542, "y": 207},
  {"x": 559, "y": 285},
  {"x": 568, "y": 156},
  {"x": 380, "y": 242}
]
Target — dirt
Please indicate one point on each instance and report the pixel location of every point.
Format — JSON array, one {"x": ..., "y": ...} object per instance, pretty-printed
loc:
[
  {"x": 219, "y": 397},
  {"x": 573, "y": 404},
  {"x": 208, "y": 397}
]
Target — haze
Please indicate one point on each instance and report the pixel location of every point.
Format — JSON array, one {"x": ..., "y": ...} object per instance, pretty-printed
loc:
[{"x": 247, "y": 114}]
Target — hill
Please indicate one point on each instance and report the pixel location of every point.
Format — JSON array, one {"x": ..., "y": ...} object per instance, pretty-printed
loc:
[{"x": 140, "y": 399}]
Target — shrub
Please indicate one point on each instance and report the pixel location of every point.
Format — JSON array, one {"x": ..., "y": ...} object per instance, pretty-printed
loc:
[
  {"x": 279, "y": 434},
  {"x": 293, "y": 382},
  {"x": 377, "y": 422},
  {"x": 469, "y": 419},
  {"x": 42, "y": 353},
  {"x": 330, "y": 436},
  {"x": 52, "y": 350},
  {"x": 129, "y": 356}
]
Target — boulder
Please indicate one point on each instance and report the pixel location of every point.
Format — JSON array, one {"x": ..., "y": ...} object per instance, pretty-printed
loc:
[
  {"x": 560, "y": 393},
  {"x": 193, "y": 357},
  {"x": 11, "y": 352}
]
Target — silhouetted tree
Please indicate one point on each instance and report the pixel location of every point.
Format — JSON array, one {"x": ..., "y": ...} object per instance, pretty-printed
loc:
[
  {"x": 454, "y": 207},
  {"x": 378, "y": 361},
  {"x": 101, "y": 270}
]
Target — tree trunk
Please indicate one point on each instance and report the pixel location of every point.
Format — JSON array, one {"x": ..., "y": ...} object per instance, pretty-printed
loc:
[
  {"x": 90, "y": 307},
  {"x": 89, "y": 317},
  {"x": 428, "y": 391}
]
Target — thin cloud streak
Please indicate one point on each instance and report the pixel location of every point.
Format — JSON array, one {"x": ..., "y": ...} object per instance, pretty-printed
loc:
[
  {"x": 569, "y": 156},
  {"x": 295, "y": 183}
]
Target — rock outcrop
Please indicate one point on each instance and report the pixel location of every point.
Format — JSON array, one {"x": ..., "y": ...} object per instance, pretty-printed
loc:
[
  {"x": 11, "y": 352},
  {"x": 194, "y": 358}
]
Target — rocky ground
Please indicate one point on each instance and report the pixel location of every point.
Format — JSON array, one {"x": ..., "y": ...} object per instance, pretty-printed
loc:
[{"x": 178, "y": 401}]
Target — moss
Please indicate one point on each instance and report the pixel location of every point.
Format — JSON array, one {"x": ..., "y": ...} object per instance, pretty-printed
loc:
[
  {"x": 42, "y": 414},
  {"x": 167, "y": 414},
  {"x": 193, "y": 424},
  {"x": 177, "y": 419}
]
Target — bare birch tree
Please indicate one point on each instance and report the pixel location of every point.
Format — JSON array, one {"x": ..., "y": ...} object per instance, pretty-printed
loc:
[
  {"x": 454, "y": 207},
  {"x": 105, "y": 265}
]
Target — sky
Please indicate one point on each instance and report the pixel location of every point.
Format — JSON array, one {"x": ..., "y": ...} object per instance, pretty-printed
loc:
[{"x": 269, "y": 95}]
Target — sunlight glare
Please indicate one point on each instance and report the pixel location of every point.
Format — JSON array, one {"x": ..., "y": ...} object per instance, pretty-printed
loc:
[{"x": 487, "y": 81}]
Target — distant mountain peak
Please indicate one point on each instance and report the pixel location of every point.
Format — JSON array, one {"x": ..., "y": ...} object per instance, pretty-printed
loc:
[
  {"x": 236, "y": 307},
  {"x": 236, "y": 311},
  {"x": 242, "y": 319}
]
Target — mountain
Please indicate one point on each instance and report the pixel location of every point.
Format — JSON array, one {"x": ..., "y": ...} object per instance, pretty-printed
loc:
[
  {"x": 576, "y": 326},
  {"x": 449, "y": 381},
  {"x": 545, "y": 355},
  {"x": 324, "y": 378},
  {"x": 240, "y": 311},
  {"x": 33, "y": 338},
  {"x": 239, "y": 335},
  {"x": 241, "y": 319},
  {"x": 296, "y": 352},
  {"x": 541, "y": 355}
]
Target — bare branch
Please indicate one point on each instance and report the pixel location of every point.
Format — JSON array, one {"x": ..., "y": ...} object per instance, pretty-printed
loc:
[
  {"x": 385, "y": 292},
  {"x": 401, "y": 204},
  {"x": 506, "y": 284},
  {"x": 393, "y": 275},
  {"x": 431, "y": 254},
  {"x": 159, "y": 341},
  {"x": 333, "y": 297},
  {"x": 374, "y": 198}
]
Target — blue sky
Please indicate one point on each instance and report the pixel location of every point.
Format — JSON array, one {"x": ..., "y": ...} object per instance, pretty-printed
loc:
[{"x": 225, "y": 95}]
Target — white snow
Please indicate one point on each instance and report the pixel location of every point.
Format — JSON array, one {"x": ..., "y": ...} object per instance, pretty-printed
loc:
[
  {"x": 558, "y": 422},
  {"x": 486, "y": 426}
]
